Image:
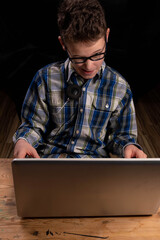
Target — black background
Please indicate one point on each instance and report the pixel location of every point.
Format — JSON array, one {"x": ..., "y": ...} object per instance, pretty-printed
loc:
[{"x": 28, "y": 41}]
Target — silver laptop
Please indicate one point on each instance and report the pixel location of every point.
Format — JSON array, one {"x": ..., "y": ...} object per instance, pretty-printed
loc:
[{"x": 86, "y": 187}]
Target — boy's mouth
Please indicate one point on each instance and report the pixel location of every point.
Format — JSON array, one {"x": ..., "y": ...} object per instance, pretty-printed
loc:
[{"x": 87, "y": 72}]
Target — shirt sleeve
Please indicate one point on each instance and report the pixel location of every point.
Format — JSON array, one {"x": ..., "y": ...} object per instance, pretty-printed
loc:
[
  {"x": 35, "y": 114},
  {"x": 122, "y": 125}
]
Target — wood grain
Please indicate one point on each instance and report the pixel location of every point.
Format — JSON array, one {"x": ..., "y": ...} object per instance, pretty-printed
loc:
[
  {"x": 112, "y": 228},
  {"x": 9, "y": 122},
  {"x": 148, "y": 122}
]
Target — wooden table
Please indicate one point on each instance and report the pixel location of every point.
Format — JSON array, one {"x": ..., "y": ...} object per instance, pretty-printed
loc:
[{"x": 111, "y": 228}]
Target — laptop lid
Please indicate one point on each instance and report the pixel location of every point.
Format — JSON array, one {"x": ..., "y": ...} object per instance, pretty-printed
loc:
[{"x": 86, "y": 187}]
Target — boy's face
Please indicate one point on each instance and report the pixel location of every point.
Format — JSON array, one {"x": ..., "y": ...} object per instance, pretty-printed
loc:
[{"x": 89, "y": 68}]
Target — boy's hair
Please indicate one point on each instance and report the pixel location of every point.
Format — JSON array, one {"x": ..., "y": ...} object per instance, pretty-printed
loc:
[{"x": 81, "y": 20}]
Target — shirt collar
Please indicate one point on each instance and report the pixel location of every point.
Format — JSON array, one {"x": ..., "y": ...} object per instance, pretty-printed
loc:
[{"x": 69, "y": 70}]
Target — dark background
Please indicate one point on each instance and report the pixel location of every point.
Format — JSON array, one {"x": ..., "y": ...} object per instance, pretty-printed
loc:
[{"x": 28, "y": 41}]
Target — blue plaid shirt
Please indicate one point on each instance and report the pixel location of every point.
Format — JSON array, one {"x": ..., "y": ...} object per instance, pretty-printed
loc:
[{"x": 101, "y": 121}]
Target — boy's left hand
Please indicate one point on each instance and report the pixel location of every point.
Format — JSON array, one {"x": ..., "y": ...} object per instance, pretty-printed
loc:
[{"x": 131, "y": 151}]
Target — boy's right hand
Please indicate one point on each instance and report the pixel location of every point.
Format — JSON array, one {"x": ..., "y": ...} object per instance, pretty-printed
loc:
[{"x": 23, "y": 148}]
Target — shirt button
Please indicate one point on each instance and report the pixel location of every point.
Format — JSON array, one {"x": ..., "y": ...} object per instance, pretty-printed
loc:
[
  {"x": 81, "y": 110},
  {"x": 107, "y": 105},
  {"x": 72, "y": 142},
  {"x": 84, "y": 89},
  {"x": 77, "y": 132}
]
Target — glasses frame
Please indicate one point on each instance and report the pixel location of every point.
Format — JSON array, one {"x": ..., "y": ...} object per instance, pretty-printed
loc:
[{"x": 84, "y": 59}]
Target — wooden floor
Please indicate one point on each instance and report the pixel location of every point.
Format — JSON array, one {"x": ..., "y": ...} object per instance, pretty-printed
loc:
[
  {"x": 148, "y": 121},
  {"x": 9, "y": 122}
]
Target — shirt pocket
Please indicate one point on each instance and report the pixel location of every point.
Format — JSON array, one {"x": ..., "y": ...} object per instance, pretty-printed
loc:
[
  {"x": 104, "y": 108},
  {"x": 101, "y": 112},
  {"x": 106, "y": 103}
]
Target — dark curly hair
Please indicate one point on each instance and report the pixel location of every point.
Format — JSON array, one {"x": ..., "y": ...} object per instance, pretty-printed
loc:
[{"x": 81, "y": 20}]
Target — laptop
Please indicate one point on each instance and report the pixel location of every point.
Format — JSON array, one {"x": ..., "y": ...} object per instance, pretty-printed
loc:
[{"x": 86, "y": 187}]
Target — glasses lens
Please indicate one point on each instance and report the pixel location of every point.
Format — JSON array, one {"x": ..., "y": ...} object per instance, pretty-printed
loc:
[
  {"x": 78, "y": 60},
  {"x": 97, "y": 57}
]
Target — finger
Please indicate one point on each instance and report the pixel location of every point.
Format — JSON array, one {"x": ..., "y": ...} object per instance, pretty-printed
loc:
[
  {"x": 128, "y": 154},
  {"x": 141, "y": 154},
  {"x": 19, "y": 154},
  {"x": 34, "y": 154}
]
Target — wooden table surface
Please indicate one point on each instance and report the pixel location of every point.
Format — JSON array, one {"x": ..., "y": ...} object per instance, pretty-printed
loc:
[{"x": 111, "y": 228}]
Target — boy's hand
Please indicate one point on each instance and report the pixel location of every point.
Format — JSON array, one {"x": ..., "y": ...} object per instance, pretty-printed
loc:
[
  {"x": 131, "y": 151},
  {"x": 23, "y": 148}
]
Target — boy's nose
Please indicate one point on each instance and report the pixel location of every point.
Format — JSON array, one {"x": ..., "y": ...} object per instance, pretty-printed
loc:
[{"x": 88, "y": 65}]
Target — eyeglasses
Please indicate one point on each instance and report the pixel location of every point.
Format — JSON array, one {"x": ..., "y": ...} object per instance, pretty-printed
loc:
[{"x": 95, "y": 57}]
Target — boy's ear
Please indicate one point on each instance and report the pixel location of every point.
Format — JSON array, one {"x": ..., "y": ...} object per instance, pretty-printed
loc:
[
  {"x": 61, "y": 42},
  {"x": 107, "y": 33}
]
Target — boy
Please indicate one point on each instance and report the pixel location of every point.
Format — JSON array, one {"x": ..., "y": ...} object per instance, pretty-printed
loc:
[{"x": 80, "y": 107}]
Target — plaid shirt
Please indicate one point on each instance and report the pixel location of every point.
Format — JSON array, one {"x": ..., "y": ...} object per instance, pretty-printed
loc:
[{"x": 101, "y": 121}]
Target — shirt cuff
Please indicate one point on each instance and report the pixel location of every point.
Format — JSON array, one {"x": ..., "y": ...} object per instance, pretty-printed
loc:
[{"x": 16, "y": 140}]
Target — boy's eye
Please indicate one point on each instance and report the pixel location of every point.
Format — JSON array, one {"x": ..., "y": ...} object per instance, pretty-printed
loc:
[{"x": 97, "y": 56}]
